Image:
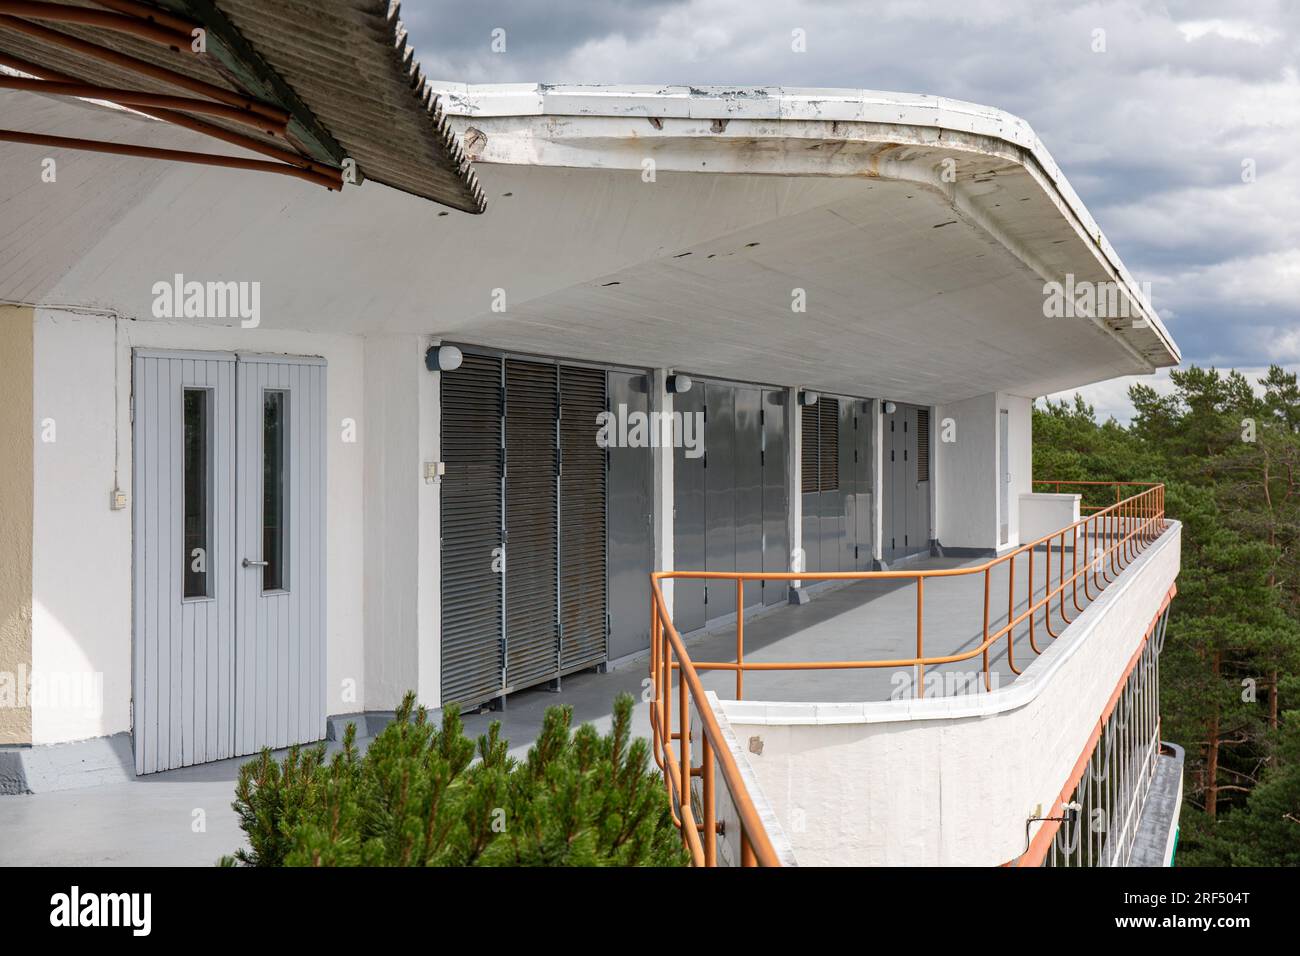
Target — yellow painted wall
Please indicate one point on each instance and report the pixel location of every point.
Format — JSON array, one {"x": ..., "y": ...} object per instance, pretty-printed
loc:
[{"x": 16, "y": 423}]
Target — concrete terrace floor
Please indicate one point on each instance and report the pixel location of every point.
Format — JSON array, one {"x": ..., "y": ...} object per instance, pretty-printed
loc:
[{"x": 153, "y": 820}]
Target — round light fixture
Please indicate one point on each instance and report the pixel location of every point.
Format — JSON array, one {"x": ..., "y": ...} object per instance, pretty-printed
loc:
[{"x": 443, "y": 358}]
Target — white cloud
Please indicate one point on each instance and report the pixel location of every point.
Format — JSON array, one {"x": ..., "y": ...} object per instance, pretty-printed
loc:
[{"x": 1241, "y": 30}]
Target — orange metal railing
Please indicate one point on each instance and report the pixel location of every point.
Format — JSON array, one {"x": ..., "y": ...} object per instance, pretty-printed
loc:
[
  {"x": 1101, "y": 545},
  {"x": 1083, "y": 489}
]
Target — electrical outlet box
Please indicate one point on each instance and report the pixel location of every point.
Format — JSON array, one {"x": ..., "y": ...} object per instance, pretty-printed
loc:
[{"x": 117, "y": 499}]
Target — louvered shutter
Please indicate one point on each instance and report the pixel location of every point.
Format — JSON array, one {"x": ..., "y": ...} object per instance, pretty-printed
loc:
[
  {"x": 582, "y": 519},
  {"x": 472, "y": 646},
  {"x": 808, "y": 454},
  {"x": 532, "y": 633},
  {"x": 829, "y": 413}
]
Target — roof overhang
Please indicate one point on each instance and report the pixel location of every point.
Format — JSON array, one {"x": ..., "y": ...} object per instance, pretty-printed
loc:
[
  {"x": 909, "y": 164},
  {"x": 916, "y": 289},
  {"x": 329, "y": 93}
]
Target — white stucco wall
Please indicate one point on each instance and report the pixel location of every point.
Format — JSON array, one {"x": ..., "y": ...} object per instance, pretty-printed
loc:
[
  {"x": 966, "y": 468},
  {"x": 396, "y": 383},
  {"x": 950, "y": 781},
  {"x": 1020, "y": 429},
  {"x": 967, "y": 506},
  {"x": 82, "y": 558},
  {"x": 1044, "y": 514}
]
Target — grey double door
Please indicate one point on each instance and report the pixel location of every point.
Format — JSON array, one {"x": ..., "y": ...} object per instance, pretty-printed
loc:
[
  {"x": 906, "y": 504},
  {"x": 835, "y": 475},
  {"x": 229, "y": 543},
  {"x": 729, "y": 498}
]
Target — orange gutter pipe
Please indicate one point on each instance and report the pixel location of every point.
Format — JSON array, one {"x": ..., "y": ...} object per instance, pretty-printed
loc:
[
  {"x": 170, "y": 155},
  {"x": 180, "y": 42},
  {"x": 121, "y": 60},
  {"x": 136, "y": 98}
]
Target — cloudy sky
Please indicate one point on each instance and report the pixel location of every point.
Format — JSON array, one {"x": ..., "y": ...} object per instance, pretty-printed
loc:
[{"x": 1159, "y": 131}]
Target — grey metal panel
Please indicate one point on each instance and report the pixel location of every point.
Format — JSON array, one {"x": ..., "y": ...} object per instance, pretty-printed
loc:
[
  {"x": 907, "y": 502},
  {"x": 630, "y": 531},
  {"x": 895, "y": 490},
  {"x": 748, "y": 493},
  {"x": 182, "y": 648},
  {"x": 810, "y": 484},
  {"x": 831, "y": 506},
  {"x": 919, "y": 515},
  {"x": 864, "y": 510},
  {"x": 532, "y": 512},
  {"x": 776, "y": 556},
  {"x": 689, "y": 519},
  {"x": 473, "y": 648},
  {"x": 583, "y": 562},
  {"x": 720, "y": 501},
  {"x": 845, "y": 500},
  {"x": 281, "y": 632}
]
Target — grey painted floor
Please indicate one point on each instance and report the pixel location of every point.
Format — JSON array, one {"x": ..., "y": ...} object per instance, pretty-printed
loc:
[{"x": 183, "y": 817}]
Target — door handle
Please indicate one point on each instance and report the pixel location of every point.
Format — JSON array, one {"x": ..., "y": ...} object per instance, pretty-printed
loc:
[{"x": 254, "y": 564}]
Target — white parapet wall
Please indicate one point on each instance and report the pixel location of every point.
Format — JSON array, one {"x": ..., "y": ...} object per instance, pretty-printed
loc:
[
  {"x": 950, "y": 781},
  {"x": 728, "y": 819},
  {"x": 1041, "y": 515}
]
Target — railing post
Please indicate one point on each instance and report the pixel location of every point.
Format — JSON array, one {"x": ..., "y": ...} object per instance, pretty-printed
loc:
[
  {"x": 654, "y": 654},
  {"x": 1033, "y": 644},
  {"x": 710, "y": 810},
  {"x": 1011, "y": 613},
  {"x": 920, "y": 640},
  {"x": 740, "y": 639},
  {"x": 987, "y": 683},
  {"x": 684, "y": 719}
]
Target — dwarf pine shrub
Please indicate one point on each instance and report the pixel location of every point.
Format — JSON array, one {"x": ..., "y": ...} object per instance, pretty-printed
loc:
[{"x": 418, "y": 797}]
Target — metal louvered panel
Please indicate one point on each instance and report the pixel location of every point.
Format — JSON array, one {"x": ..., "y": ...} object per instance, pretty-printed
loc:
[
  {"x": 582, "y": 519},
  {"x": 472, "y": 641},
  {"x": 532, "y": 638},
  {"x": 829, "y": 413},
  {"x": 923, "y": 444},
  {"x": 808, "y": 449}
]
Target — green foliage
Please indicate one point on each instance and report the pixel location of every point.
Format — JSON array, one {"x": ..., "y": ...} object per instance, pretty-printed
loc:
[
  {"x": 1230, "y": 460},
  {"x": 426, "y": 796}
]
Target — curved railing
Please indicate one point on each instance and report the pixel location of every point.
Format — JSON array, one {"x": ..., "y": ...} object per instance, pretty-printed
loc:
[{"x": 1101, "y": 545}]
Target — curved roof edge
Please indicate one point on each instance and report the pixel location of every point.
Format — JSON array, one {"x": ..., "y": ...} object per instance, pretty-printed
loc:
[{"x": 776, "y": 103}]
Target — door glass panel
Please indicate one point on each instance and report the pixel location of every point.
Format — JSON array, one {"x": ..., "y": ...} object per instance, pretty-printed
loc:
[
  {"x": 197, "y": 525},
  {"x": 275, "y": 483}
]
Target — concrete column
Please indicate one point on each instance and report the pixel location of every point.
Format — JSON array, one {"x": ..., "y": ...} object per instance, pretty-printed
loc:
[
  {"x": 16, "y": 462},
  {"x": 429, "y": 582},
  {"x": 661, "y": 401},
  {"x": 395, "y": 380}
]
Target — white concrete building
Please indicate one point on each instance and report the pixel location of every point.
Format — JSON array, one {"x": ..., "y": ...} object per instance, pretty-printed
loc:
[{"x": 275, "y": 453}]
